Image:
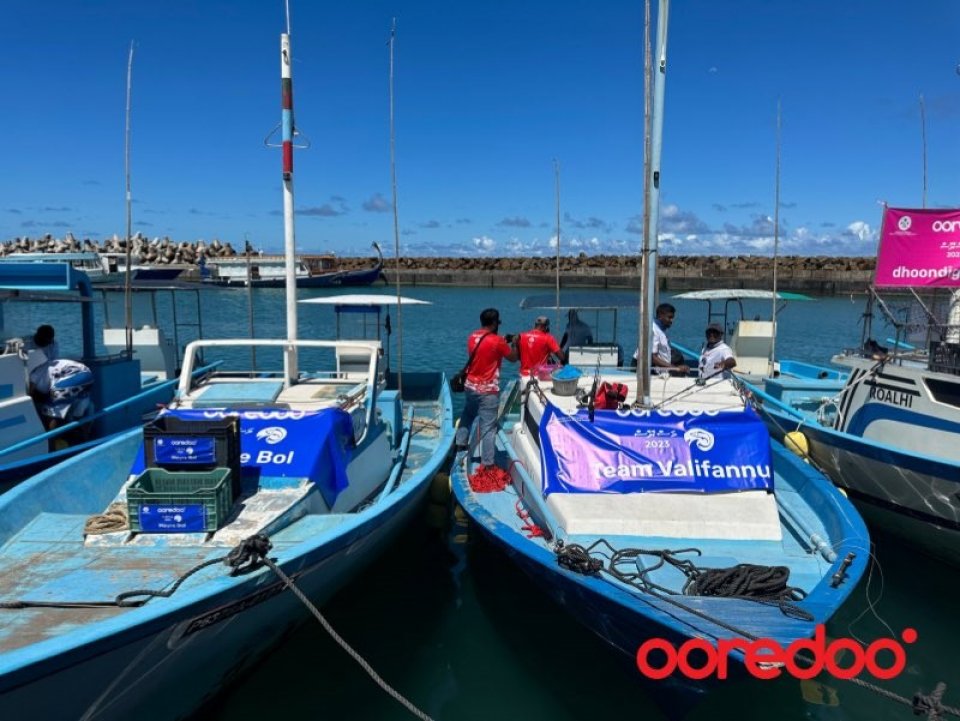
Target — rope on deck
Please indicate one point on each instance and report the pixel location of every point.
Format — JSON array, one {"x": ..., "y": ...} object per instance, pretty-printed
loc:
[
  {"x": 111, "y": 520},
  {"x": 579, "y": 559}
]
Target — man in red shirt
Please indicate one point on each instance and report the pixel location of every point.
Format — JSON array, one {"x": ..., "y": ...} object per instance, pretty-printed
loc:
[
  {"x": 536, "y": 346},
  {"x": 482, "y": 389}
]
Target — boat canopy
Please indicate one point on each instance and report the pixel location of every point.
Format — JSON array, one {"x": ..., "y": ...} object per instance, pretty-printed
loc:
[{"x": 739, "y": 294}]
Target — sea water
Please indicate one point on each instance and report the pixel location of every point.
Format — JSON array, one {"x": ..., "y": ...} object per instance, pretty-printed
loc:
[{"x": 451, "y": 623}]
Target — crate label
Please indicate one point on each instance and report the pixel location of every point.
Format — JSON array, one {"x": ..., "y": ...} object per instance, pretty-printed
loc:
[
  {"x": 167, "y": 518},
  {"x": 185, "y": 449}
]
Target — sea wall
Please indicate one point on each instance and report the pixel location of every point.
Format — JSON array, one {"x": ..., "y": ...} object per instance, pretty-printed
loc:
[{"x": 822, "y": 275}]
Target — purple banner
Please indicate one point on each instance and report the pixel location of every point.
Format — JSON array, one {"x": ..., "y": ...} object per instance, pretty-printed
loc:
[
  {"x": 919, "y": 248},
  {"x": 654, "y": 451}
]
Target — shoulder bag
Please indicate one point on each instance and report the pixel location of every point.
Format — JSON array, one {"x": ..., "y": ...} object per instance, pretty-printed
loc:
[{"x": 459, "y": 381}]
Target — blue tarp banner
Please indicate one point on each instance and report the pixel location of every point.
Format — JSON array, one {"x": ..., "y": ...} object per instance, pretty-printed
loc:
[
  {"x": 635, "y": 451},
  {"x": 316, "y": 445}
]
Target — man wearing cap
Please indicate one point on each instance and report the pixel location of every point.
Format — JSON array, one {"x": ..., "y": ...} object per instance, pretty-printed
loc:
[
  {"x": 486, "y": 350},
  {"x": 716, "y": 356},
  {"x": 536, "y": 346}
]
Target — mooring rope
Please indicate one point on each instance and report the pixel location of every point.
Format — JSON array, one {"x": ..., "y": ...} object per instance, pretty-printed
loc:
[{"x": 579, "y": 559}]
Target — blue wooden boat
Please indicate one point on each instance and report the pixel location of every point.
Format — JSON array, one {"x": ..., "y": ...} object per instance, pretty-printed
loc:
[
  {"x": 333, "y": 463},
  {"x": 552, "y": 446},
  {"x": 314, "y": 454},
  {"x": 126, "y": 388}
]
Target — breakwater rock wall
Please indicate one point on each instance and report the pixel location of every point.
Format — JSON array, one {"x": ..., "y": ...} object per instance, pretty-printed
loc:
[
  {"x": 821, "y": 275},
  {"x": 158, "y": 251},
  {"x": 811, "y": 274}
]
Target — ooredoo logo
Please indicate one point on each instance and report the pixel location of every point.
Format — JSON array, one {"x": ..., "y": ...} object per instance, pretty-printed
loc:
[
  {"x": 946, "y": 226},
  {"x": 764, "y": 658},
  {"x": 904, "y": 223}
]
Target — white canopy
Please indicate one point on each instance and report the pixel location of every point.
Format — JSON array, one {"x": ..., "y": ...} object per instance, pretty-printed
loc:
[{"x": 370, "y": 299}]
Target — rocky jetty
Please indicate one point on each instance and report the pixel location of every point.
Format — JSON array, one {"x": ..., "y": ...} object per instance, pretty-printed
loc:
[
  {"x": 815, "y": 274},
  {"x": 159, "y": 251}
]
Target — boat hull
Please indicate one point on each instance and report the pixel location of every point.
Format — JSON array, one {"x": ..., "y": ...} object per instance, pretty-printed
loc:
[
  {"x": 165, "y": 668},
  {"x": 913, "y": 497}
]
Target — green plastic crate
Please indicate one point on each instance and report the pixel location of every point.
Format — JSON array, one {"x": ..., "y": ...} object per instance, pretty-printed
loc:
[{"x": 162, "y": 501}]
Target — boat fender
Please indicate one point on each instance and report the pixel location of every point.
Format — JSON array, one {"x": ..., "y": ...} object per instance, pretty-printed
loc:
[{"x": 796, "y": 442}]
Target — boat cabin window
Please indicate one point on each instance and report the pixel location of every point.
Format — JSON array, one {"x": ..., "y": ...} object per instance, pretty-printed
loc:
[{"x": 944, "y": 391}]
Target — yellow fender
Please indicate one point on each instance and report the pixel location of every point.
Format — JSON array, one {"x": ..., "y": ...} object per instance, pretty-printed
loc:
[{"x": 796, "y": 442}]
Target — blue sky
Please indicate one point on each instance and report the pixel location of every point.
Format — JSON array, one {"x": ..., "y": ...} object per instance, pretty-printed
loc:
[{"x": 487, "y": 96}]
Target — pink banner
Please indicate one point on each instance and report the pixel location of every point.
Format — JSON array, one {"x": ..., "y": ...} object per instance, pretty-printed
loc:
[{"x": 919, "y": 248}]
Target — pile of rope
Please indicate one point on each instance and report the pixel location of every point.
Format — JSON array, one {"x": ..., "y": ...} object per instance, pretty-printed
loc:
[
  {"x": 111, "y": 520},
  {"x": 489, "y": 479}
]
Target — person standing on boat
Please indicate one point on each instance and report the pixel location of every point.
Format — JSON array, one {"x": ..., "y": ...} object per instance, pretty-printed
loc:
[
  {"x": 537, "y": 346},
  {"x": 576, "y": 333},
  {"x": 661, "y": 354},
  {"x": 60, "y": 387},
  {"x": 716, "y": 356},
  {"x": 482, "y": 387}
]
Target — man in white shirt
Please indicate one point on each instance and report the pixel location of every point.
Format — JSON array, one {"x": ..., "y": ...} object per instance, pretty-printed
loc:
[
  {"x": 660, "y": 352},
  {"x": 716, "y": 356}
]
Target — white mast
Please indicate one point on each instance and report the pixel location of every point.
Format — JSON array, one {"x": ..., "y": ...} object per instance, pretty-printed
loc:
[{"x": 289, "y": 243}]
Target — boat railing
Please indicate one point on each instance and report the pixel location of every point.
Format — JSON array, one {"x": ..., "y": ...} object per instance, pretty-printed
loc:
[
  {"x": 926, "y": 328},
  {"x": 356, "y": 389}
]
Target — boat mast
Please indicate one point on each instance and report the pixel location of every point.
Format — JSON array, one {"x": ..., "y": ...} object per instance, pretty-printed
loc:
[
  {"x": 653, "y": 133},
  {"x": 289, "y": 244},
  {"x": 128, "y": 275},
  {"x": 659, "y": 83},
  {"x": 923, "y": 141},
  {"x": 556, "y": 185},
  {"x": 396, "y": 221},
  {"x": 776, "y": 249}
]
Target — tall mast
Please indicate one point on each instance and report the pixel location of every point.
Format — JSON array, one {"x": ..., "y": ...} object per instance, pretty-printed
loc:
[
  {"x": 659, "y": 83},
  {"x": 556, "y": 185},
  {"x": 776, "y": 250},
  {"x": 128, "y": 273},
  {"x": 289, "y": 243},
  {"x": 654, "y": 83},
  {"x": 396, "y": 217}
]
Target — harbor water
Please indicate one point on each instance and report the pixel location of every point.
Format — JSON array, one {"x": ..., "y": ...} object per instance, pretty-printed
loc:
[{"x": 453, "y": 625}]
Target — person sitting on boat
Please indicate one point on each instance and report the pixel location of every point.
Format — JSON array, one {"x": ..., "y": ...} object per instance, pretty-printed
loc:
[
  {"x": 575, "y": 334},
  {"x": 482, "y": 387},
  {"x": 661, "y": 354},
  {"x": 59, "y": 386},
  {"x": 537, "y": 347},
  {"x": 716, "y": 356}
]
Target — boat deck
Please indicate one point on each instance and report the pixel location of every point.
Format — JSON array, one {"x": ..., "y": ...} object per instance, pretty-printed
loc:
[{"x": 54, "y": 580}]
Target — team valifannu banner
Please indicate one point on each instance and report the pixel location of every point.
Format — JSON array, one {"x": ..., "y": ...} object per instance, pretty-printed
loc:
[
  {"x": 919, "y": 248},
  {"x": 316, "y": 445},
  {"x": 654, "y": 451}
]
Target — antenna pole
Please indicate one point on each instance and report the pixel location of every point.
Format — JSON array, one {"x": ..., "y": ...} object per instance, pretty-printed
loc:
[
  {"x": 556, "y": 177},
  {"x": 127, "y": 281},
  {"x": 776, "y": 247},
  {"x": 396, "y": 217},
  {"x": 289, "y": 242},
  {"x": 923, "y": 138}
]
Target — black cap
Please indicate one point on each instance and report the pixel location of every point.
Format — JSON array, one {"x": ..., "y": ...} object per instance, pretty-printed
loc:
[{"x": 715, "y": 328}]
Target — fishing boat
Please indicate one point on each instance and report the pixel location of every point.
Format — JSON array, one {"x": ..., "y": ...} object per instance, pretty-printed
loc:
[
  {"x": 312, "y": 271},
  {"x": 888, "y": 432},
  {"x": 293, "y": 471},
  {"x": 753, "y": 340},
  {"x": 126, "y": 385},
  {"x": 627, "y": 496},
  {"x": 98, "y": 267}
]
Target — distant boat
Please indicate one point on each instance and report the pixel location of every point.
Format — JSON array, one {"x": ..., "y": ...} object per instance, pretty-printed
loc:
[
  {"x": 124, "y": 392},
  {"x": 144, "y": 271},
  {"x": 888, "y": 431},
  {"x": 96, "y": 266},
  {"x": 311, "y": 271}
]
